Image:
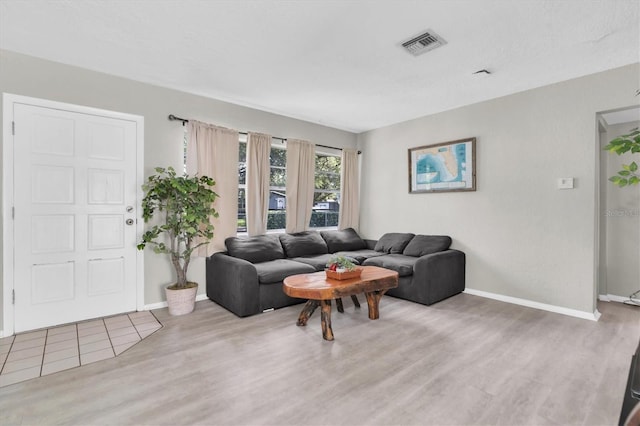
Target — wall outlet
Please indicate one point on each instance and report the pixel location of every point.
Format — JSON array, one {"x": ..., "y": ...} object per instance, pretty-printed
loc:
[{"x": 565, "y": 183}]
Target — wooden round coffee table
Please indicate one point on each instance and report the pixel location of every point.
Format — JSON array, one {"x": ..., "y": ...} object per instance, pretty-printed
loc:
[{"x": 320, "y": 290}]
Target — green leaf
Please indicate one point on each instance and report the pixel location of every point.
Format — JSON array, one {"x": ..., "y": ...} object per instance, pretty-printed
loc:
[
  {"x": 633, "y": 167},
  {"x": 622, "y": 183},
  {"x": 634, "y": 180},
  {"x": 624, "y": 172}
]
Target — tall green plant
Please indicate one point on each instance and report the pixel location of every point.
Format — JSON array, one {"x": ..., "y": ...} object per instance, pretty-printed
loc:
[
  {"x": 187, "y": 204},
  {"x": 626, "y": 143}
]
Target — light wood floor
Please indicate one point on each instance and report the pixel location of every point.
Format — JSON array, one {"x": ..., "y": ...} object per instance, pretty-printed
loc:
[{"x": 466, "y": 360}]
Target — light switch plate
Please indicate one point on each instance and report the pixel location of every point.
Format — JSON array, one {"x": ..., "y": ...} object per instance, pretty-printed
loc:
[{"x": 565, "y": 183}]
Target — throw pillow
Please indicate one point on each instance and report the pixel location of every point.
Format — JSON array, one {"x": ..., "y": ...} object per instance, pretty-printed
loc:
[
  {"x": 303, "y": 244},
  {"x": 343, "y": 240},
  {"x": 422, "y": 245},
  {"x": 261, "y": 248},
  {"x": 393, "y": 242}
]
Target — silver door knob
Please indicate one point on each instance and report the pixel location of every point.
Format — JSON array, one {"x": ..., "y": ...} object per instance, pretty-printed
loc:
[{"x": 129, "y": 222}]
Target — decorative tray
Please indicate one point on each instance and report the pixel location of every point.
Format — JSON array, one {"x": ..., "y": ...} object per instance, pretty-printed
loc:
[{"x": 343, "y": 275}]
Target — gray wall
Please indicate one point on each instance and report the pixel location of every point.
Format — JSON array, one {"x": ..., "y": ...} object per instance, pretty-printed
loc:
[
  {"x": 621, "y": 219},
  {"x": 28, "y": 76},
  {"x": 524, "y": 238}
]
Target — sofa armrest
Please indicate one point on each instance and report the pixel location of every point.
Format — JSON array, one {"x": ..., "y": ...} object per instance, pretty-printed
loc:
[
  {"x": 233, "y": 284},
  {"x": 440, "y": 275}
]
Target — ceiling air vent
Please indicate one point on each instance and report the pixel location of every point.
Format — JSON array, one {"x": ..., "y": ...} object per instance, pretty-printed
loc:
[{"x": 423, "y": 43}]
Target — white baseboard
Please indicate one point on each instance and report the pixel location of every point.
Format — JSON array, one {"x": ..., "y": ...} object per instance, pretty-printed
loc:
[
  {"x": 2, "y": 334},
  {"x": 592, "y": 316},
  {"x": 612, "y": 298},
  {"x": 161, "y": 305}
]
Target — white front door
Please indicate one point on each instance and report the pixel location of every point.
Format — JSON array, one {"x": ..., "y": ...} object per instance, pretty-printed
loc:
[{"x": 75, "y": 199}]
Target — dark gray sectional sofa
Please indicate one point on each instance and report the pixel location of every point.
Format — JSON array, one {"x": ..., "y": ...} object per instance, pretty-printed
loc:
[{"x": 247, "y": 278}]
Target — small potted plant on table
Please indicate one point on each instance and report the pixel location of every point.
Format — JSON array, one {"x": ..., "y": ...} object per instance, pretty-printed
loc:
[
  {"x": 341, "y": 268},
  {"x": 187, "y": 206}
]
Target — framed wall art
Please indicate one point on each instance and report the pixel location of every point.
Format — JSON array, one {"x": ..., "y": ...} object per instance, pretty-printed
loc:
[{"x": 443, "y": 167}]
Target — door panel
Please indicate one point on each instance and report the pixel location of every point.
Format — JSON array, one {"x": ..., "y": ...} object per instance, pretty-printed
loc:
[{"x": 74, "y": 184}]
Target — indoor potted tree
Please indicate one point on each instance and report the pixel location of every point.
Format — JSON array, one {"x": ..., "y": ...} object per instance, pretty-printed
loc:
[
  {"x": 629, "y": 175},
  {"x": 185, "y": 204}
]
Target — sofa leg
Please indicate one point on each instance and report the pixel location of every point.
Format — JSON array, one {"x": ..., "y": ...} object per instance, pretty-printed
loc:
[{"x": 339, "y": 305}]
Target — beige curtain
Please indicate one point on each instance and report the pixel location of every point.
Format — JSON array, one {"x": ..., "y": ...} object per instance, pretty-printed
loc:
[
  {"x": 213, "y": 151},
  {"x": 301, "y": 164},
  {"x": 258, "y": 177},
  {"x": 349, "y": 214}
]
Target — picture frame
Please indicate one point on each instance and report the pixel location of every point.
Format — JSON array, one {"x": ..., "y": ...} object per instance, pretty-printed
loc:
[{"x": 443, "y": 167}]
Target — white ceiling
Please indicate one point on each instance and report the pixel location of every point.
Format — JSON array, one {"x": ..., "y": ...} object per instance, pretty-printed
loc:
[{"x": 337, "y": 63}]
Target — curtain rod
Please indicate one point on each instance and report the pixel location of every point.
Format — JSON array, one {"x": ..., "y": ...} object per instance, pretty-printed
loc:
[{"x": 185, "y": 121}]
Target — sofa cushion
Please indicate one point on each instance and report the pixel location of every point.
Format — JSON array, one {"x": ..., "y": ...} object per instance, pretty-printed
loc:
[
  {"x": 422, "y": 245},
  {"x": 359, "y": 255},
  {"x": 400, "y": 263},
  {"x": 303, "y": 244},
  {"x": 319, "y": 262},
  {"x": 261, "y": 248},
  {"x": 393, "y": 242},
  {"x": 343, "y": 240},
  {"x": 277, "y": 270}
]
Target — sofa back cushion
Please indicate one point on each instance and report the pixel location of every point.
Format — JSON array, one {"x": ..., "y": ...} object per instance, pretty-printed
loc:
[
  {"x": 301, "y": 244},
  {"x": 343, "y": 240},
  {"x": 393, "y": 242},
  {"x": 422, "y": 245},
  {"x": 261, "y": 248}
]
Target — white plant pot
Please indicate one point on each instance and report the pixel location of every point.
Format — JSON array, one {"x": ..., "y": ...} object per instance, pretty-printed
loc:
[{"x": 181, "y": 301}]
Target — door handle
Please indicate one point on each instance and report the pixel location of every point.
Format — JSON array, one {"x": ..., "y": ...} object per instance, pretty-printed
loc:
[
  {"x": 129, "y": 209},
  {"x": 129, "y": 222}
]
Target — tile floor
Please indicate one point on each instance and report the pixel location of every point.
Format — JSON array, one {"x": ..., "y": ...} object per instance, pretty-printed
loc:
[{"x": 38, "y": 353}]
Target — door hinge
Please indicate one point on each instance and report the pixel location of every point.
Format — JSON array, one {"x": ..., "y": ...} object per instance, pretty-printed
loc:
[
  {"x": 13, "y": 297},
  {"x": 13, "y": 128},
  {"x": 13, "y": 212}
]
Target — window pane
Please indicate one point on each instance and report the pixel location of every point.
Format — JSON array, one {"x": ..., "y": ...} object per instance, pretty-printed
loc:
[
  {"x": 278, "y": 177},
  {"x": 328, "y": 163},
  {"x": 328, "y": 181},
  {"x": 242, "y": 152},
  {"x": 242, "y": 211},
  {"x": 278, "y": 157},
  {"x": 242, "y": 164},
  {"x": 276, "y": 217}
]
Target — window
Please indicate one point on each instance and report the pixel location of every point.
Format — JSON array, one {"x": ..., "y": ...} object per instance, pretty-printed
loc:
[
  {"x": 276, "y": 218},
  {"x": 242, "y": 185},
  {"x": 184, "y": 149},
  {"x": 326, "y": 200}
]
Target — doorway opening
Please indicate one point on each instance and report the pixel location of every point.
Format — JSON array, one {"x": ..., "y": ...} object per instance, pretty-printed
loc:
[{"x": 618, "y": 223}]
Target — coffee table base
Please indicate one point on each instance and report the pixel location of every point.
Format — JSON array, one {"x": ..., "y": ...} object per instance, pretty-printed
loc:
[{"x": 373, "y": 302}]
